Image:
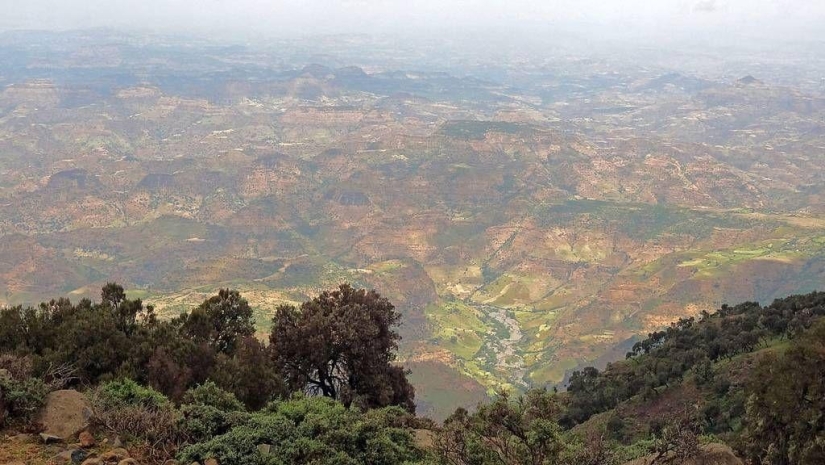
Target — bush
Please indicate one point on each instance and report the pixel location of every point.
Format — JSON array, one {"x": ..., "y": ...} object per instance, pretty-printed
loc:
[
  {"x": 127, "y": 393},
  {"x": 203, "y": 422},
  {"x": 525, "y": 428},
  {"x": 16, "y": 367},
  {"x": 210, "y": 411},
  {"x": 635, "y": 451},
  {"x": 138, "y": 413},
  {"x": 20, "y": 399},
  {"x": 592, "y": 449},
  {"x": 209, "y": 394},
  {"x": 21, "y": 394},
  {"x": 250, "y": 374},
  {"x": 313, "y": 430}
]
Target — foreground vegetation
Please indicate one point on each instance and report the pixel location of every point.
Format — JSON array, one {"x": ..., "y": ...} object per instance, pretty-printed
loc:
[{"x": 325, "y": 390}]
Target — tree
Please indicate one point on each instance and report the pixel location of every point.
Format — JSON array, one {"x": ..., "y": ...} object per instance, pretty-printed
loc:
[
  {"x": 221, "y": 321},
  {"x": 784, "y": 422},
  {"x": 126, "y": 312},
  {"x": 524, "y": 431},
  {"x": 112, "y": 294},
  {"x": 341, "y": 345},
  {"x": 677, "y": 438},
  {"x": 250, "y": 374}
]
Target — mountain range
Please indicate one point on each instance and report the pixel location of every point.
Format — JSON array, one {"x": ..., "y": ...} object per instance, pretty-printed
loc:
[{"x": 527, "y": 218}]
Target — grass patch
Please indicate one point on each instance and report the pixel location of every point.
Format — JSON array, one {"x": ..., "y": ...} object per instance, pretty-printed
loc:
[
  {"x": 551, "y": 373},
  {"x": 457, "y": 327},
  {"x": 712, "y": 263}
]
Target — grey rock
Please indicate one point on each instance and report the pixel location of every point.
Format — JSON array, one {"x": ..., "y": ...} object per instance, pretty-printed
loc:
[
  {"x": 50, "y": 438},
  {"x": 78, "y": 456}
]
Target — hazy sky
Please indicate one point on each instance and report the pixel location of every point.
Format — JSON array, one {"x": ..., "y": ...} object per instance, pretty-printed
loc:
[{"x": 774, "y": 18}]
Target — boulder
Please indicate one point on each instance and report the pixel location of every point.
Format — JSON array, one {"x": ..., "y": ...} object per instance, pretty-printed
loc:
[
  {"x": 86, "y": 440},
  {"x": 65, "y": 414},
  {"x": 211, "y": 462}
]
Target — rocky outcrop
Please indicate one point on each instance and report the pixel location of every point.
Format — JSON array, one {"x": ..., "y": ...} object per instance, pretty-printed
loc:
[{"x": 66, "y": 413}]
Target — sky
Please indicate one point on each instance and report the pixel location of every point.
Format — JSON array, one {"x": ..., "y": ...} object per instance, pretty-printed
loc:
[{"x": 771, "y": 19}]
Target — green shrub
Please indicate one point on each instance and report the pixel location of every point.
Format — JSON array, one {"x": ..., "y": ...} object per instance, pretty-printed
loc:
[
  {"x": 239, "y": 445},
  {"x": 313, "y": 430},
  {"x": 20, "y": 398},
  {"x": 203, "y": 422},
  {"x": 210, "y": 411},
  {"x": 525, "y": 427},
  {"x": 125, "y": 392},
  {"x": 140, "y": 414},
  {"x": 209, "y": 394}
]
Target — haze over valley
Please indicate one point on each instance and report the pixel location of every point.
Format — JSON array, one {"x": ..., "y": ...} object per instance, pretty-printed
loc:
[{"x": 531, "y": 208}]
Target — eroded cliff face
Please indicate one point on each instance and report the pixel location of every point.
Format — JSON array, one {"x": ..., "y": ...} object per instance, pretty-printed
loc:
[{"x": 521, "y": 235}]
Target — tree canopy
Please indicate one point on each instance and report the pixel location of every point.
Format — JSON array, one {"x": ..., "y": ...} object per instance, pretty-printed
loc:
[{"x": 341, "y": 344}]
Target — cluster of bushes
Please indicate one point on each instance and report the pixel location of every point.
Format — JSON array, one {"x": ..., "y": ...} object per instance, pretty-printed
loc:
[
  {"x": 666, "y": 356},
  {"x": 340, "y": 344},
  {"x": 201, "y": 378},
  {"x": 770, "y": 413},
  {"x": 213, "y": 423},
  {"x": 325, "y": 389},
  {"x": 122, "y": 338},
  {"x": 526, "y": 430}
]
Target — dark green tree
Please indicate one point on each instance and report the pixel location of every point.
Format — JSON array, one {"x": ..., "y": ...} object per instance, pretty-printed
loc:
[
  {"x": 785, "y": 419},
  {"x": 341, "y": 344},
  {"x": 221, "y": 321},
  {"x": 523, "y": 431},
  {"x": 250, "y": 374}
]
